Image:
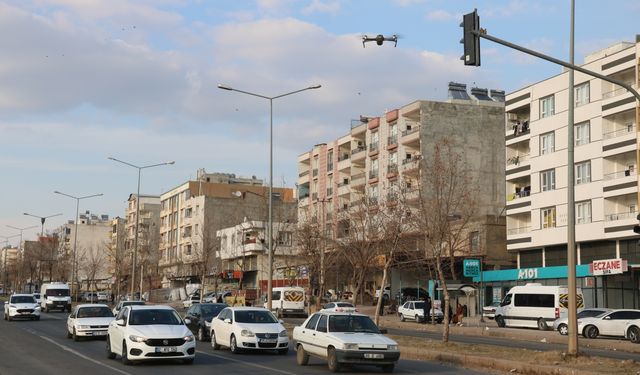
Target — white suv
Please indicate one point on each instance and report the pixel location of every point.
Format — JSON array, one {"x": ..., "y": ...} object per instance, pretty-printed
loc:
[
  {"x": 149, "y": 333},
  {"x": 21, "y": 306}
]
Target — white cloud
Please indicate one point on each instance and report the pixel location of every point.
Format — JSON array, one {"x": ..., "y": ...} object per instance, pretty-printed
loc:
[
  {"x": 406, "y": 3},
  {"x": 319, "y": 6},
  {"x": 516, "y": 7},
  {"x": 442, "y": 15}
]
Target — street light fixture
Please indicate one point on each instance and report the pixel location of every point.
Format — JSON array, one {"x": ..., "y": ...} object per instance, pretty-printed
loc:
[
  {"x": 135, "y": 239},
  {"x": 21, "y": 230},
  {"x": 74, "y": 272},
  {"x": 42, "y": 220},
  {"x": 270, "y": 239}
]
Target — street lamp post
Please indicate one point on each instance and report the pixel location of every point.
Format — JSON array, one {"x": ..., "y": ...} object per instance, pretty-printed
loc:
[
  {"x": 270, "y": 239},
  {"x": 135, "y": 239},
  {"x": 42, "y": 220},
  {"x": 21, "y": 230},
  {"x": 74, "y": 271}
]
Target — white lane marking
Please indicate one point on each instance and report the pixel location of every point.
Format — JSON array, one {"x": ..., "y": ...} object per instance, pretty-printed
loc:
[
  {"x": 64, "y": 347},
  {"x": 247, "y": 363}
]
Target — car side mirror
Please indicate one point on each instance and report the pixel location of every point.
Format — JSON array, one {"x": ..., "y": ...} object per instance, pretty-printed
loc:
[
  {"x": 120, "y": 322},
  {"x": 228, "y": 321},
  {"x": 607, "y": 317},
  {"x": 280, "y": 321},
  {"x": 187, "y": 321},
  {"x": 384, "y": 331}
]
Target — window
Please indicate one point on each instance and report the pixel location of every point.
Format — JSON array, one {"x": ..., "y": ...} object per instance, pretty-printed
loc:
[
  {"x": 547, "y": 143},
  {"x": 548, "y": 217},
  {"x": 330, "y": 160},
  {"x": 284, "y": 238},
  {"x": 582, "y": 133},
  {"x": 373, "y": 193},
  {"x": 322, "y": 325},
  {"x": 583, "y": 212},
  {"x": 534, "y": 300},
  {"x": 583, "y": 172},
  {"x": 547, "y": 106},
  {"x": 582, "y": 94},
  {"x": 373, "y": 169},
  {"x": 312, "y": 322},
  {"x": 474, "y": 241},
  {"x": 548, "y": 179}
]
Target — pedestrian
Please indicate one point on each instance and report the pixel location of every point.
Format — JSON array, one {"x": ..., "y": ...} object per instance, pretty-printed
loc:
[
  {"x": 451, "y": 318},
  {"x": 426, "y": 308},
  {"x": 459, "y": 313}
]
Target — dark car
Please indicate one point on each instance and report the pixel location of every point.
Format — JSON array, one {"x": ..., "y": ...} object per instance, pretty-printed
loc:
[
  {"x": 198, "y": 318},
  {"x": 412, "y": 294}
]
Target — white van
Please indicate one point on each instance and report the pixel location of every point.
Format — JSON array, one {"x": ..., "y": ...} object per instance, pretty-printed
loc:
[
  {"x": 534, "y": 305},
  {"x": 287, "y": 300},
  {"x": 55, "y": 296}
]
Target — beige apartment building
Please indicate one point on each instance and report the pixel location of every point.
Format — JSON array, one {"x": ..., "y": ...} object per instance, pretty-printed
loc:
[
  {"x": 194, "y": 211},
  {"x": 119, "y": 261},
  {"x": 383, "y": 153},
  {"x": 148, "y": 238},
  {"x": 606, "y": 152}
]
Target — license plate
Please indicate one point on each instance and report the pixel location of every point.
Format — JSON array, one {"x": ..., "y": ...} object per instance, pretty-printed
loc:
[
  {"x": 374, "y": 355},
  {"x": 100, "y": 333},
  {"x": 268, "y": 341},
  {"x": 167, "y": 349}
]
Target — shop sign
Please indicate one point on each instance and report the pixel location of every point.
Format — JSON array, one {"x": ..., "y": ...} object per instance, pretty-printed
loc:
[
  {"x": 471, "y": 267},
  {"x": 527, "y": 273},
  {"x": 608, "y": 267}
]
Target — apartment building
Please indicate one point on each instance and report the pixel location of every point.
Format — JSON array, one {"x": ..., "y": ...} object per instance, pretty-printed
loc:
[
  {"x": 383, "y": 153},
  {"x": 606, "y": 181},
  {"x": 244, "y": 255},
  {"x": 118, "y": 260},
  {"x": 148, "y": 254},
  {"x": 193, "y": 212}
]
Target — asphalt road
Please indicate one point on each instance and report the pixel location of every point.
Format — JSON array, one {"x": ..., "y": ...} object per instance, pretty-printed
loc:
[{"x": 41, "y": 347}]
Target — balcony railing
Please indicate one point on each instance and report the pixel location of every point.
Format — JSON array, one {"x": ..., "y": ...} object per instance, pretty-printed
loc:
[
  {"x": 620, "y": 132},
  {"x": 620, "y": 216},
  {"x": 410, "y": 131},
  {"x": 302, "y": 174},
  {"x": 343, "y": 183},
  {"x": 357, "y": 178},
  {"x": 414, "y": 158},
  {"x": 618, "y": 91},
  {"x": 358, "y": 149},
  {"x": 520, "y": 194},
  {"x": 344, "y": 156},
  {"x": 392, "y": 168},
  {"x": 619, "y": 174},
  {"x": 519, "y": 230},
  {"x": 517, "y": 159},
  {"x": 373, "y": 174},
  {"x": 373, "y": 146},
  {"x": 392, "y": 140}
]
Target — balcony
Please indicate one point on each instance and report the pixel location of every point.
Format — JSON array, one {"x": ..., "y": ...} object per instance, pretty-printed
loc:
[
  {"x": 303, "y": 173},
  {"x": 358, "y": 179},
  {"x": 517, "y": 128},
  {"x": 518, "y": 230},
  {"x": 517, "y": 160},
  {"x": 410, "y": 165},
  {"x": 410, "y": 135},
  {"x": 619, "y": 174},
  {"x": 343, "y": 189},
  {"x": 620, "y": 216},
  {"x": 520, "y": 194},
  {"x": 358, "y": 153},
  {"x": 617, "y": 92},
  {"x": 344, "y": 156},
  {"x": 619, "y": 132}
]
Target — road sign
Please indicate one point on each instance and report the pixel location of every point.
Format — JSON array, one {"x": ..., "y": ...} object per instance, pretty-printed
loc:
[{"x": 471, "y": 267}]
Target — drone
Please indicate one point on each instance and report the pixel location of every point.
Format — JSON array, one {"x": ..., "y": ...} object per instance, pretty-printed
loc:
[{"x": 379, "y": 39}]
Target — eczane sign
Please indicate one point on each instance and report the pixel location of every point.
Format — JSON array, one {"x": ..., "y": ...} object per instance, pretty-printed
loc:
[{"x": 608, "y": 267}]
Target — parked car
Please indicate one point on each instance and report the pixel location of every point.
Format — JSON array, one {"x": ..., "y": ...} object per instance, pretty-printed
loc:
[
  {"x": 90, "y": 297},
  {"x": 386, "y": 294},
  {"x": 194, "y": 298},
  {"x": 150, "y": 333},
  {"x": 89, "y": 320},
  {"x": 632, "y": 331},
  {"x": 339, "y": 307},
  {"x": 124, "y": 303},
  {"x": 414, "y": 310},
  {"x": 612, "y": 323},
  {"x": 344, "y": 338},
  {"x": 38, "y": 297},
  {"x": 198, "y": 318},
  {"x": 103, "y": 296},
  {"x": 21, "y": 306},
  {"x": 490, "y": 310},
  {"x": 248, "y": 328},
  {"x": 561, "y": 326}
]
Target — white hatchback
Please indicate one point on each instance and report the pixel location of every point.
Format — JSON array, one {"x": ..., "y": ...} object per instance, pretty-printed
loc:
[
  {"x": 148, "y": 333},
  {"x": 609, "y": 324},
  {"x": 89, "y": 320},
  {"x": 248, "y": 328},
  {"x": 415, "y": 310}
]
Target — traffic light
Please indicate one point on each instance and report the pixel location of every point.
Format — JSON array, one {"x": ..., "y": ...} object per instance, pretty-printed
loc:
[
  {"x": 636, "y": 228},
  {"x": 471, "y": 41}
]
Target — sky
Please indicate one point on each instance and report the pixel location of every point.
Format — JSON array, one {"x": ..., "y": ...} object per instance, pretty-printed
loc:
[{"x": 82, "y": 80}]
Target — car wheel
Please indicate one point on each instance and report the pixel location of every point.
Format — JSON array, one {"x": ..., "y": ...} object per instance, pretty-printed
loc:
[
  {"x": 214, "y": 344},
  {"x": 500, "y": 321},
  {"x": 634, "y": 335},
  {"x": 188, "y": 361},
  {"x": 283, "y": 351},
  {"x": 542, "y": 325},
  {"x": 388, "y": 368},
  {"x": 69, "y": 333},
  {"x": 201, "y": 335},
  {"x": 591, "y": 332},
  {"x": 110, "y": 354},
  {"x": 125, "y": 355},
  {"x": 332, "y": 361},
  {"x": 9, "y": 317},
  {"x": 401, "y": 317},
  {"x": 234, "y": 345},
  {"x": 75, "y": 336},
  {"x": 302, "y": 358},
  {"x": 563, "y": 329}
]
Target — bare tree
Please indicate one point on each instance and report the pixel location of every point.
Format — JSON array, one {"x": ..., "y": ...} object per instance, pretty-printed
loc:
[
  {"x": 206, "y": 255},
  {"x": 445, "y": 207}
]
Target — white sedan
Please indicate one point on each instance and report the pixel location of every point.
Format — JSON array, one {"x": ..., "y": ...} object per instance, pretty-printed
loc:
[
  {"x": 89, "y": 320},
  {"x": 344, "y": 338},
  {"x": 632, "y": 331},
  {"x": 21, "y": 306},
  {"x": 248, "y": 328},
  {"x": 150, "y": 333},
  {"x": 609, "y": 324},
  {"x": 339, "y": 307},
  {"x": 414, "y": 310}
]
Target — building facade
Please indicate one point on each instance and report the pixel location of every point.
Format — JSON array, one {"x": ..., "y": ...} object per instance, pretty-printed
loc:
[
  {"x": 383, "y": 154},
  {"x": 119, "y": 260},
  {"x": 148, "y": 252},
  {"x": 606, "y": 179}
]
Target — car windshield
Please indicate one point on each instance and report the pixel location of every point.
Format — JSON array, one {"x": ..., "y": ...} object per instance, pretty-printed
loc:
[
  {"x": 589, "y": 313},
  {"x": 209, "y": 311},
  {"x": 57, "y": 292},
  {"x": 23, "y": 299},
  {"x": 153, "y": 317},
  {"x": 352, "y": 323},
  {"x": 255, "y": 316},
  {"x": 95, "y": 312},
  {"x": 344, "y": 304},
  {"x": 419, "y": 305}
]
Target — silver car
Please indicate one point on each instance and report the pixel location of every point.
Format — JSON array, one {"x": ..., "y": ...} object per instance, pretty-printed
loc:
[{"x": 561, "y": 326}]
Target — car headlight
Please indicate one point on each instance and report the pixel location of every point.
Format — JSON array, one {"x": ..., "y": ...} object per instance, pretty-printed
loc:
[
  {"x": 36, "y": 307},
  {"x": 283, "y": 333},
  {"x": 49, "y": 302},
  {"x": 135, "y": 338},
  {"x": 89, "y": 327},
  {"x": 246, "y": 333},
  {"x": 12, "y": 306},
  {"x": 392, "y": 347},
  {"x": 188, "y": 338},
  {"x": 351, "y": 346}
]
